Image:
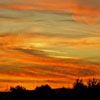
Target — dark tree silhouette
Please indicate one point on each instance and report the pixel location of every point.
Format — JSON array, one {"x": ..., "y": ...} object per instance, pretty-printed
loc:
[
  {"x": 79, "y": 85},
  {"x": 44, "y": 90},
  {"x": 80, "y": 91},
  {"x": 93, "y": 83},
  {"x": 17, "y": 89}
]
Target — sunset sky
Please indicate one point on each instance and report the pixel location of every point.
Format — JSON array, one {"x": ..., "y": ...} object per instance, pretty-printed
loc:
[{"x": 48, "y": 42}]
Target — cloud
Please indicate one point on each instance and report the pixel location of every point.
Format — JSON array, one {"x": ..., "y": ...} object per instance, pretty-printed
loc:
[
  {"x": 86, "y": 14},
  {"x": 84, "y": 11},
  {"x": 47, "y": 57},
  {"x": 47, "y": 46},
  {"x": 31, "y": 51},
  {"x": 16, "y": 7},
  {"x": 90, "y": 3}
]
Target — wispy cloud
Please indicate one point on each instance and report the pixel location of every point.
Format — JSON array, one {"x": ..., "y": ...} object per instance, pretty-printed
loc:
[
  {"x": 46, "y": 42},
  {"x": 86, "y": 11},
  {"x": 30, "y": 60}
]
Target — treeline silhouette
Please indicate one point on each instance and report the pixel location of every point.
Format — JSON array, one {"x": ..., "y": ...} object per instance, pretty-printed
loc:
[{"x": 80, "y": 91}]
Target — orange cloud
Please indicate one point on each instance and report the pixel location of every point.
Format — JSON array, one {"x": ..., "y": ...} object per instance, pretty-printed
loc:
[
  {"x": 16, "y": 7},
  {"x": 85, "y": 11},
  {"x": 39, "y": 68},
  {"x": 86, "y": 14}
]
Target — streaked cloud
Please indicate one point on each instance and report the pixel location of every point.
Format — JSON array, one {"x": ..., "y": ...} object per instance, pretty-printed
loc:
[
  {"x": 85, "y": 11},
  {"x": 48, "y": 42}
]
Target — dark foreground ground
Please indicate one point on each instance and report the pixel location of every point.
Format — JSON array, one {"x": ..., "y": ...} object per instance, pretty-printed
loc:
[{"x": 91, "y": 91}]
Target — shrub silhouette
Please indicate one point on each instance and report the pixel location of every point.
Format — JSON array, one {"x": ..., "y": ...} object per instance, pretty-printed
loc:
[
  {"x": 93, "y": 83},
  {"x": 79, "y": 85},
  {"x": 17, "y": 89},
  {"x": 80, "y": 91},
  {"x": 44, "y": 90}
]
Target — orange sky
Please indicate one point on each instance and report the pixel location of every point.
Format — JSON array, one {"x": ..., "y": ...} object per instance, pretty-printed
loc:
[
  {"x": 25, "y": 58},
  {"x": 48, "y": 42},
  {"x": 86, "y": 11}
]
